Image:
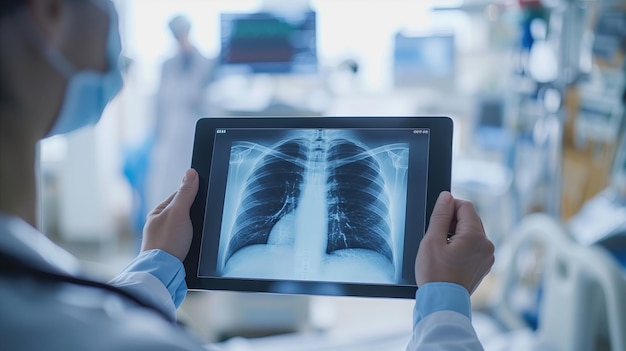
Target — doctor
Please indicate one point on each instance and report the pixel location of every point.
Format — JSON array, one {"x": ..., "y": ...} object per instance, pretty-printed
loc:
[
  {"x": 58, "y": 70},
  {"x": 180, "y": 100}
]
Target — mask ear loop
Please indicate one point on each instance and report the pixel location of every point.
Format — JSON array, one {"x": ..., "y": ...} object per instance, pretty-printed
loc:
[{"x": 51, "y": 54}]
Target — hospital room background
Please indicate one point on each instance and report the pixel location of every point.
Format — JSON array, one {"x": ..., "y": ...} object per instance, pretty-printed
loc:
[{"x": 536, "y": 89}]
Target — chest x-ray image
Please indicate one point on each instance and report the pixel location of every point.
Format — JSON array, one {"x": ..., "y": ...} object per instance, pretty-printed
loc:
[{"x": 321, "y": 205}]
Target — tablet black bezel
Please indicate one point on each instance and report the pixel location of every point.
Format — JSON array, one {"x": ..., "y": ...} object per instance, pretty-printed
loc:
[{"x": 439, "y": 179}]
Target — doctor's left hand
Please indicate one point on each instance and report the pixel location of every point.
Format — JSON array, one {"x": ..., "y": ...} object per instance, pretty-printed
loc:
[{"x": 168, "y": 227}]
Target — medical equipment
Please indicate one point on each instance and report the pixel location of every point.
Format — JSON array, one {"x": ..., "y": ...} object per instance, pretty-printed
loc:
[
  {"x": 425, "y": 60},
  {"x": 582, "y": 289},
  {"x": 329, "y": 206},
  {"x": 268, "y": 42}
]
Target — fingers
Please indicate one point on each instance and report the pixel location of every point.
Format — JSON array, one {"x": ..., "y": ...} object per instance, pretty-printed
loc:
[
  {"x": 183, "y": 197},
  {"x": 467, "y": 217},
  {"x": 442, "y": 216},
  {"x": 162, "y": 205},
  {"x": 186, "y": 194},
  {"x": 466, "y": 258}
]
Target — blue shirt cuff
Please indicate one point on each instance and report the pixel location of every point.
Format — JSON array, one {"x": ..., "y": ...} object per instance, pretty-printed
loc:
[
  {"x": 440, "y": 296},
  {"x": 166, "y": 268}
]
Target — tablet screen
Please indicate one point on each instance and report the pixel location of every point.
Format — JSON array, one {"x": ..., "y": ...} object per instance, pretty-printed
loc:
[{"x": 315, "y": 204}]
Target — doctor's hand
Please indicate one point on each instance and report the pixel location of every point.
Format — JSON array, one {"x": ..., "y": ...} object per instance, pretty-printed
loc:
[
  {"x": 168, "y": 227},
  {"x": 465, "y": 258}
]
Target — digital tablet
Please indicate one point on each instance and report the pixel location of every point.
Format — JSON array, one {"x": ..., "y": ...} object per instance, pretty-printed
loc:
[{"x": 315, "y": 205}]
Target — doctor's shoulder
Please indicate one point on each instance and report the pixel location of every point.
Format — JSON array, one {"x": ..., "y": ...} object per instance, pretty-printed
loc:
[{"x": 39, "y": 315}]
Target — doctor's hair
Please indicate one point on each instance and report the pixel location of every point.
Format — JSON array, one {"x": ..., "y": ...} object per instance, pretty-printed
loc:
[{"x": 8, "y": 6}]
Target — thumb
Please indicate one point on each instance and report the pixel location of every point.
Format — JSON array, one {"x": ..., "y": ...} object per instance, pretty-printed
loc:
[
  {"x": 442, "y": 215},
  {"x": 187, "y": 192}
]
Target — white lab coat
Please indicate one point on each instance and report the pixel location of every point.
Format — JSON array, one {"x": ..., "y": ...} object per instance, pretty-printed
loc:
[
  {"x": 38, "y": 315},
  {"x": 42, "y": 315},
  {"x": 444, "y": 331},
  {"x": 181, "y": 100}
]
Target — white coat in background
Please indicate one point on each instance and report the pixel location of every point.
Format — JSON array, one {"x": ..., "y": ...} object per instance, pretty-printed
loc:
[{"x": 180, "y": 101}]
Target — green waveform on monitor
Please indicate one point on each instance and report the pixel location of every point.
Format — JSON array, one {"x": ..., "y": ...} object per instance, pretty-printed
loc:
[{"x": 266, "y": 28}]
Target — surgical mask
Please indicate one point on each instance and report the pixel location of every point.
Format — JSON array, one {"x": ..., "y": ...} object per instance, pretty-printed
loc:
[{"x": 88, "y": 91}]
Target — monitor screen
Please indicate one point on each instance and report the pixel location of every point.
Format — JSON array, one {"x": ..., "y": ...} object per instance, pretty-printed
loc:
[
  {"x": 491, "y": 112},
  {"x": 424, "y": 60},
  {"x": 267, "y": 42},
  {"x": 316, "y": 204}
]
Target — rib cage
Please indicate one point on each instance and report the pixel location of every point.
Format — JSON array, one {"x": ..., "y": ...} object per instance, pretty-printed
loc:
[
  {"x": 358, "y": 213},
  {"x": 357, "y": 202},
  {"x": 271, "y": 192}
]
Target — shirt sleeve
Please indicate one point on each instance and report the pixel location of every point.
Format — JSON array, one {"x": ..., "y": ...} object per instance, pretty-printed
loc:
[
  {"x": 166, "y": 268},
  {"x": 442, "y": 319},
  {"x": 444, "y": 331},
  {"x": 434, "y": 297}
]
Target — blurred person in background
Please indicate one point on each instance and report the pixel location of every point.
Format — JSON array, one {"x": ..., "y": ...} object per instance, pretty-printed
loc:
[
  {"x": 59, "y": 68},
  {"x": 181, "y": 100}
]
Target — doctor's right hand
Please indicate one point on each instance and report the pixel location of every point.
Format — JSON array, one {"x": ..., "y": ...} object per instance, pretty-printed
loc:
[
  {"x": 455, "y": 248},
  {"x": 168, "y": 227}
]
